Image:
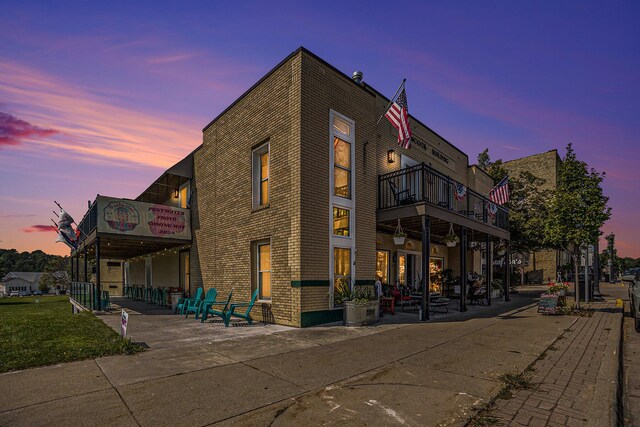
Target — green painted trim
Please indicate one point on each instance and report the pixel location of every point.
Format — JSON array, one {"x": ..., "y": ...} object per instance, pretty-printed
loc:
[
  {"x": 365, "y": 282},
  {"x": 312, "y": 318},
  {"x": 306, "y": 283}
]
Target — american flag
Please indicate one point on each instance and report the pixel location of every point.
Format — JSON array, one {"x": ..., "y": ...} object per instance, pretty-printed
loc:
[
  {"x": 500, "y": 193},
  {"x": 398, "y": 115}
]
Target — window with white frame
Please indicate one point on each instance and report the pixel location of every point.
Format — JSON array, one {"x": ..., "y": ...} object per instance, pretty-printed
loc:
[
  {"x": 262, "y": 268},
  {"x": 260, "y": 172},
  {"x": 342, "y": 205}
]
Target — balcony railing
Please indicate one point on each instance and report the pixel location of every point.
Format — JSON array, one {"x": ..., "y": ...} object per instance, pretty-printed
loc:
[
  {"x": 422, "y": 184},
  {"x": 89, "y": 221}
]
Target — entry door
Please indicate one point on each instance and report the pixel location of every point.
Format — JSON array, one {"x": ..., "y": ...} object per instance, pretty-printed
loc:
[{"x": 184, "y": 272}]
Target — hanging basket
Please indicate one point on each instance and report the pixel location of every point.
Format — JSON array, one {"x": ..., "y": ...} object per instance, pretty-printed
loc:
[
  {"x": 451, "y": 239},
  {"x": 399, "y": 236}
]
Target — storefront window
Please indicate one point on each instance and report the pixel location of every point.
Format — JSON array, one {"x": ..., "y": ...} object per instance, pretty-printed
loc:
[
  {"x": 341, "y": 274},
  {"x": 382, "y": 266},
  {"x": 435, "y": 274},
  {"x": 264, "y": 271},
  {"x": 402, "y": 266}
]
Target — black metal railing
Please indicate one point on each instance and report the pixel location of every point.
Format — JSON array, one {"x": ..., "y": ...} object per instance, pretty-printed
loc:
[
  {"x": 86, "y": 294},
  {"x": 421, "y": 183},
  {"x": 89, "y": 221}
]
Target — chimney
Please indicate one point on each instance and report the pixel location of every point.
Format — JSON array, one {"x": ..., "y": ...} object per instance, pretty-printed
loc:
[{"x": 357, "y": 77}]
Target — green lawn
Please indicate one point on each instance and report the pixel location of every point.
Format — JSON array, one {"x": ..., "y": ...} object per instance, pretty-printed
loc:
[{"x": 43, "y": 331}]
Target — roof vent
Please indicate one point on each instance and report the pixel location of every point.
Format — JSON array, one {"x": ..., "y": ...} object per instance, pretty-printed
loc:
[{"x": 357, "y": 77}]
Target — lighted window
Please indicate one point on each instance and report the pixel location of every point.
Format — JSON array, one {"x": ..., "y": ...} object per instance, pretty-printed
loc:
[
  {"x": 261, "y": 176},
  {"x": 341, "y": 126},
  {"x": 341, "y": 273},
  {"x": 184, "y": 196},
  {"x": 382, "y": 266},
  {"x": 342, "y": 168},
  {"x": 263, "y": 255},
  {"x": 341, "y": 222}
]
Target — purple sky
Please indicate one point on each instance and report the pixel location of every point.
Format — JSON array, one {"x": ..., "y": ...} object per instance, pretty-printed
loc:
[{"x": 101, "y": 99}]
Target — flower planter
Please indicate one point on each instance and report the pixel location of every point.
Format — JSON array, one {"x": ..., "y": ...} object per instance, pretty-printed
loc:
[
  {"x": 399, "y": 240},
  {"x": 496, "y": 293},
  {"x": 451, "y": 244},
  {"x": 361, "y": 313}
]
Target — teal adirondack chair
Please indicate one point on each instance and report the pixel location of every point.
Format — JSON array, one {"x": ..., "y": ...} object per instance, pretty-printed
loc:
[
  {"x": 249, "y": 305},
  {"x": 196, "y": 308},
  {"x": 183, "y": 303},
  {"x": 209, "y": 310}
]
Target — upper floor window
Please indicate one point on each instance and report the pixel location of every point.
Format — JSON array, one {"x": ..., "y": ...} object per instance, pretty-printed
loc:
[
  {"x": 184, "y": 195},
  {"x": 343, "y": 152},
  {"x": 261, "y": 176}
]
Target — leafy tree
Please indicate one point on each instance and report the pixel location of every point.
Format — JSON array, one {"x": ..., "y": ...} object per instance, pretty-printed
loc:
[
  {"x": 12, "y": 260},
  {"x": 527, "y": 207},
  {"x": 577, "y": 209},
  {"x": 57, "y": 273}
]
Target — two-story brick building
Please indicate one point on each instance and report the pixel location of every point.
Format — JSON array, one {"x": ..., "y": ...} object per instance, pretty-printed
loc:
[{"x": 297, "y": 190}]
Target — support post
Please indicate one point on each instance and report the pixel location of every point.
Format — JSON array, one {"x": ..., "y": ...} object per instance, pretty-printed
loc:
[
  {"x": 489, "y": 259},
  {"x": 426, "y": 254},
  {"x": 98, "y": 290},
  {"x": 586, "y": 276},
  {"x": 463, "y": 269},
  {"x": 77, "y": 266},
  {"x": 596, "y": 272},
  {"x": 507, "y": 274},
  {"x": 73, "y": 279},
  {"x": 86, "y": 273}
]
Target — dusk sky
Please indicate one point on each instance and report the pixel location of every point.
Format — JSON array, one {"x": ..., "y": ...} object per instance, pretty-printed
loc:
[{"x": 101, "y": 98}]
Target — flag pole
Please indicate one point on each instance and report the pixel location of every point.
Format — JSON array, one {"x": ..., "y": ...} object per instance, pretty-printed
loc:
[
  {"x": 392, "y": 99},
  {"x": 77, "y": 226}
]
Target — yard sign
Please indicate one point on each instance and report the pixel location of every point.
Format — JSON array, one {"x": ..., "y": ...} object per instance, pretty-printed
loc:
[{"x": 125, "y": 321}]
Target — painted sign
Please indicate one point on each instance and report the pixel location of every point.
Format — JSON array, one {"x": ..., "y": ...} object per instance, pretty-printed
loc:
[
  {"x": 124, "y": 323},
  {"x": 129, "y": 217},
  {"x": 548, "y": 304}
]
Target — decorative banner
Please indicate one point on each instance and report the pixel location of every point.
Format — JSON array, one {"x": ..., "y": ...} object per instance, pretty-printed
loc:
[
  {"x": 460, "y": 192},
  {"x": 121, "y": 216},
  {"x": 492, "y": 209}
]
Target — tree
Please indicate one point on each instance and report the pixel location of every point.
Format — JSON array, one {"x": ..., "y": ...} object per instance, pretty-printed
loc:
[
  {"x": 577, "y": 210},
  {"x": 57, "y": 274},
  {"x": 527, "y": 207}
]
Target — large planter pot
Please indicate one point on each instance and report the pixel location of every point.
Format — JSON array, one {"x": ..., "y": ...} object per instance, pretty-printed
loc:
[
  {"x": 175, "y": 296},
  {"x": 496, "y": 293},
  {"x": 359, "y": 314}
]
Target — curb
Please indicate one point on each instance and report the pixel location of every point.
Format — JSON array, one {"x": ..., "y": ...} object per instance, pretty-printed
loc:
[{"x": 606, "y": 404}]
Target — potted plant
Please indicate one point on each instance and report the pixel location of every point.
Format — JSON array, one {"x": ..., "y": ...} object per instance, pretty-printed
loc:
[
  {"x": 501, "y": 248},
  {"x": 496, "y": 288},
  {"x": 558, "y": 288},
  {"x": 399, "y": 236},
  {"x": 360, "y": 305},
  {"x": 451, "y": 239}
]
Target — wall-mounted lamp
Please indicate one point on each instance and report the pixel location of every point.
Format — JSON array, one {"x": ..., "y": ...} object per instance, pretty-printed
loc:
[
  {"x": 434, "y": 250},
  {"x": 391, "y": 156},
  {"x": 176, "y": 193}
]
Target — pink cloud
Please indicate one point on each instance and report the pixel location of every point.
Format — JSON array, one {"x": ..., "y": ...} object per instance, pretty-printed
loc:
[
  {"x": 39, "y": 229},
  {"x": 14, "y": 131}
]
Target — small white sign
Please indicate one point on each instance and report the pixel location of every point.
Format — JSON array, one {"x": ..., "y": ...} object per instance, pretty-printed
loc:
[{"x": 125, "y": 321}]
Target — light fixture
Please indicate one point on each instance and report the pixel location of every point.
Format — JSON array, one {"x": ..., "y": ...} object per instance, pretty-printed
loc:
[
  {"x": 391, "y": 156},
  {"x": 176, "y": 193},
  {"x": 434, "y": 250}
]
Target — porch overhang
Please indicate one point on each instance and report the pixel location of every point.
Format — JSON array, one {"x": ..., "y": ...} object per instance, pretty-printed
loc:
[
  {"x": 391, "y": 215},
  {"x": 122, "y": 247}
]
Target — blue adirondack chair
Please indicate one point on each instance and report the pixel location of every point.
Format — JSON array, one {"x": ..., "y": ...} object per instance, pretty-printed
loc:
[
  {"x": 210, "y": 310},
  {"x": 183, "y": 303},
  {"x": 196, "y": 308},
  {"x": 246, "y": 315}
]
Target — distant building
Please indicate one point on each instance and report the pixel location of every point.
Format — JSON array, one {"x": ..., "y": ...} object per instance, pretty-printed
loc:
[
  {"x": 21, "y": 282},
  {"x": 541, "y": 266}
]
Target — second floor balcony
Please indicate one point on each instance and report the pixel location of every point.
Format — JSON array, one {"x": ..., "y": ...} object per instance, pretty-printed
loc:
[{"x": 422, "y": 184}]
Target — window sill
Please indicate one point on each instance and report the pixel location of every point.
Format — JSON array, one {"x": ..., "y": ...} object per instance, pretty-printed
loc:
[
  {"x": 261, "y": 208},
  {"x": 263, "y": 301}
]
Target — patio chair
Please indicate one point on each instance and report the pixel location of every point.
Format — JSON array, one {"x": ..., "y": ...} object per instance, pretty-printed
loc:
[
  {"x": 183, "y": 303},
  {"x": 208, "y": 310},
  {"x": 249, "y": 305},
  {"x": 404, "y": 197},
  {"x": 196, "y": 308}
]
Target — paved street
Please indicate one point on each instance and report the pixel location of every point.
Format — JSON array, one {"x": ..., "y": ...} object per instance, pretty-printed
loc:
[{"x": 435, "y": 373}]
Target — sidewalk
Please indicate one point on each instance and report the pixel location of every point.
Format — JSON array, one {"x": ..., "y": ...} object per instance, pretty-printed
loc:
[
  {"x": 414, "y": 374},
  {"x": 575, "y": 383}
]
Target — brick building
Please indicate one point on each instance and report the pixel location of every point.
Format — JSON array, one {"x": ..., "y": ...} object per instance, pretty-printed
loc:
[
  {"x": 297, "y": 190},
  {"x": 541, "y": 265}
]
